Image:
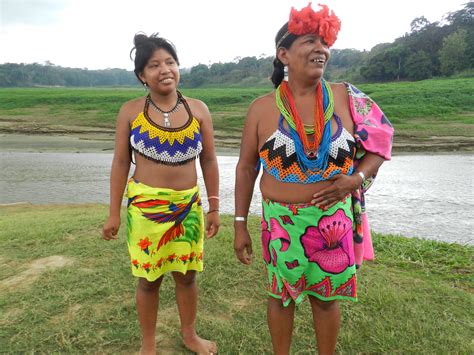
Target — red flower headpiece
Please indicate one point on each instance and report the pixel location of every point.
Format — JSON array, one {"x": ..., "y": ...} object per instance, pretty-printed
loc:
[{"x": 324, "y": 23}]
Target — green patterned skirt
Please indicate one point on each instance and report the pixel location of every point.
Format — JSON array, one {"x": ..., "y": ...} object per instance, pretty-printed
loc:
[{"x": 308, "y": 251}]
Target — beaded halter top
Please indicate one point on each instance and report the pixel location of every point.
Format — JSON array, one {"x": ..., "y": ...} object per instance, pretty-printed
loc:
[
  {"x": 163, "y": 145},
  {"x": 279, "y": 159}
]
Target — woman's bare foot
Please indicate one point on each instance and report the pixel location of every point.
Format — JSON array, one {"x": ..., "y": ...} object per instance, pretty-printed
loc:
[
  {"x": 148, "y": 350},
  {"x": 200, "y": 346}
]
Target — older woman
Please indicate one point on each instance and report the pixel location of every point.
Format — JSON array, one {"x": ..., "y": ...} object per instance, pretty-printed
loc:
[
  {"x": 165, "y": 226},
  {"x": 317, "y": 142}
]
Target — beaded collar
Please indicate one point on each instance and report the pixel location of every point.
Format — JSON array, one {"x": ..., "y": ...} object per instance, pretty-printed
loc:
[{"x": 166, "y": 145}]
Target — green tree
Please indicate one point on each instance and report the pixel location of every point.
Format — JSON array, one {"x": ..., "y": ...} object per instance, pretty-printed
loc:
[
  {"x": 453, "y": 55},
  {"x": 418, "y": 66},
  {"x": 198, "y": 75},
  {"x": 419, "y": 23}
]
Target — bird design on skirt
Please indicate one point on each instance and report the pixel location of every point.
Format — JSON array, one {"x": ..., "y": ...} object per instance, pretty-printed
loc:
[{"x": 176, "y": 213}]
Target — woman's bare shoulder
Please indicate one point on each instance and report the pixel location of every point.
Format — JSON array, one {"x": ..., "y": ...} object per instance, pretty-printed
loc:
[
  {"x": 134, "y": 104},
  {"x": 198, "y": 107},
  {"x": 131, "y": 109},
  {"x": 339, "y": 88},
  {"x": 263, "y": 103}
]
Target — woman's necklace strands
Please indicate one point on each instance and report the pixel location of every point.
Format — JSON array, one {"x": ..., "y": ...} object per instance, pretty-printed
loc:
[
  {"x": 286, "y": 104},
  {"x": 166, "y": 114},
  {"x": 314, "y": 156}
]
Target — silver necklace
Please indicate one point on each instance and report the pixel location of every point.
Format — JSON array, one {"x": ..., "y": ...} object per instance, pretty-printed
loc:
[{"x": 166, "y": 114}]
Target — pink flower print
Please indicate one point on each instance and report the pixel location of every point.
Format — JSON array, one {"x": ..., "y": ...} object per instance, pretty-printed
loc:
[
  {"x": 276, "y": 232},
  {"x": 274, "y": 257},
  {"x": 296, "y": 289},
  {"x": 322, "y": 288},
  {"x": 330, "y": 243},
  {"x": 293, "y": 264},
  {"x": 286, "y": 220},
  {"x": 348, "y": 288},
  {"x": 265, "y": 242}
]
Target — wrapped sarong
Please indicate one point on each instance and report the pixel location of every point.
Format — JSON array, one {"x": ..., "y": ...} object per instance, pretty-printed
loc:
[
  {"x": 308, "y": 251},
  {"x": 165, "y": 230}
]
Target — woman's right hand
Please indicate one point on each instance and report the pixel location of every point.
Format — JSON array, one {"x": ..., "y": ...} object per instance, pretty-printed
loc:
[
  {"x": 243, "y": 245},
  {"x": 111, "y": 228}
]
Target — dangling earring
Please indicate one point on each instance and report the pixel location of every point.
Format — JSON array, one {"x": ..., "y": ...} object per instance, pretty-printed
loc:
[
  {"x": 145, "y": 86},
  {"x": 285, "y": 73}
]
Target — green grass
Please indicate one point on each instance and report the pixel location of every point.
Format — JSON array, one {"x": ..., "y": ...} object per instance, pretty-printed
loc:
[
  {"x": 436, "y": 107},
  {"x": 416, "y": 297}
]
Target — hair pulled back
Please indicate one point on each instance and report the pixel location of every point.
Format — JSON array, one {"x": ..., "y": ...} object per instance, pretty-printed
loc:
[
  {"x": 278, "y": 67},
  {"x": 145, "y": 46}
]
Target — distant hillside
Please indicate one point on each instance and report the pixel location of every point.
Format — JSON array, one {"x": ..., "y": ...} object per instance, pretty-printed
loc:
[{"x": 431, "y": 49}]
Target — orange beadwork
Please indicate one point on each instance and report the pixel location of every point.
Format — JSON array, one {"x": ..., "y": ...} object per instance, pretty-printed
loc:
[
  {"x": 279, "y": 158},
  {"x": 295, "y": 170}
]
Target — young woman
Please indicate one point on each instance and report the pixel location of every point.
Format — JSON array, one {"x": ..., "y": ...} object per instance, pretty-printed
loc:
[{"x": 165, "y": 225}]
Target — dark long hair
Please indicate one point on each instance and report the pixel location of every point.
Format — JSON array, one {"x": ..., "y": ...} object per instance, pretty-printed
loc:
[
  {"x": 278, "y": 67},
  {"x": 145, "y": 46}
]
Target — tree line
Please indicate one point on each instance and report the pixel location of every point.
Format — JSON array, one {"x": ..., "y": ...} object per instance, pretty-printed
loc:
[{"x": 443, "y": 48}]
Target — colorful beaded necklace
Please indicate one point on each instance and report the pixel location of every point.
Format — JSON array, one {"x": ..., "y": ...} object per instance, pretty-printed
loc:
[{"x": 313, "y": 154}]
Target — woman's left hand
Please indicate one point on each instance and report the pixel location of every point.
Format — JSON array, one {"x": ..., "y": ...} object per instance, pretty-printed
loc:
[
  {"x": 213, "y": 222},
  {"x": 341, "y": 186}
]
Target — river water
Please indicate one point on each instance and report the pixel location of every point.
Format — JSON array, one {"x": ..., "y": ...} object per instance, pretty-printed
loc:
[{"x": 426, "y": 196}]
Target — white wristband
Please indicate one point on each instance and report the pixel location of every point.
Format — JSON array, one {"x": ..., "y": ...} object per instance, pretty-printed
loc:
[
  {"x": 362, "y": 175},
  {"x": 240, "y": 219}
]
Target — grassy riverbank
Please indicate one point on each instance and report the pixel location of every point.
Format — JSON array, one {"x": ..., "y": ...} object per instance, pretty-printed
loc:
[
  {"x": 429, "y": 115},
  {"x": 63, "y": 289}
]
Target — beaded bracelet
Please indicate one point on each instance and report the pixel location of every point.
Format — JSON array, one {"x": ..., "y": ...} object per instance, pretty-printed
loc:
[{"x": 210, "y": 211}]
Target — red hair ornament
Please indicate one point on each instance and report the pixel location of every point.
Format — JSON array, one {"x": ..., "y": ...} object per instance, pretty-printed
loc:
[{"x": 324, "y": 23}]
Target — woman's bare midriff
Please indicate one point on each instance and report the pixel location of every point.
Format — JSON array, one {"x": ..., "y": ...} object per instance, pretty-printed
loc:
[
  {"x": 277, "y": 191},
  {"x": 179, "y": 177}
]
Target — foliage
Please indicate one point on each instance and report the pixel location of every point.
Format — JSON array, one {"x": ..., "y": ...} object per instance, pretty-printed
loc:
[
  {"x": 418, "y": 66},
  {"x": 417, "y": 55},
  {"x": 453, "y": 55},
  {"x": 399, "y": 60},
  {"x": 12, "y": 74}
]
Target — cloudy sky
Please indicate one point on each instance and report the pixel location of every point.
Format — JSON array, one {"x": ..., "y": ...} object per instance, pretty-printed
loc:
[{"x": 98, "y": 34}]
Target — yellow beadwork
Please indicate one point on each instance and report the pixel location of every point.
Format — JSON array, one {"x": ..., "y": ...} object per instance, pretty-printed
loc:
[{"x": 165, "y": 134}]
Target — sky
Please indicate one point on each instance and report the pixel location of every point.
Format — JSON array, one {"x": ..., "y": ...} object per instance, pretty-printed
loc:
[{"x": 98, "y": 34}]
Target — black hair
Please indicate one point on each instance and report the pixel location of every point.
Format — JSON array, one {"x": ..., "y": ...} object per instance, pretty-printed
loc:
[
  {"x": 278, "y": 67},
  {"x": 145, "y": 46}
]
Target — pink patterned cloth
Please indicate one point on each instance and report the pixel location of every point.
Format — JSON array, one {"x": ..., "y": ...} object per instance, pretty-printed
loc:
[
  {"x": 373, "y": 130},
  {"x": 374, "y": 134}
]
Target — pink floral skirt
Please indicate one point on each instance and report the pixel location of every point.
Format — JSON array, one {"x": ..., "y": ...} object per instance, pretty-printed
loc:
[{"x": 308, "y": 251}]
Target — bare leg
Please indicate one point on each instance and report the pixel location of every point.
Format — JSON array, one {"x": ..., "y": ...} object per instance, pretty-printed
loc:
[
  {"x": 186, "y": 299},
  {"x": 326, "y": 318},
  {"x": 280, "y": 322},
  {"x": 147, "y": 307}
]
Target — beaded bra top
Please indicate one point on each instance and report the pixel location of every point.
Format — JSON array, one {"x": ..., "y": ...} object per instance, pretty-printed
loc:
[
  {"x": 279, "y": 159},
  {"x": 163, "y": 145}
]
